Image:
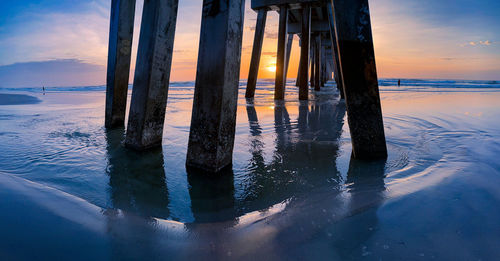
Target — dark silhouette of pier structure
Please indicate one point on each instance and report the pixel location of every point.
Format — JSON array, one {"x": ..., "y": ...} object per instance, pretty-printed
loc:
[{"x": 335, "y": 37}]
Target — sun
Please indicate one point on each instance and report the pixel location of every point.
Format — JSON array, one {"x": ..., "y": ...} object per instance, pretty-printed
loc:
[{"x": 271, "y": 68}]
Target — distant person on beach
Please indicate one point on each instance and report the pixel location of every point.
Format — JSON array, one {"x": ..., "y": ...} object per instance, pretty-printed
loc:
[
  {"x": 399, "y": 83},
  {"x": 43, "y": 89}
]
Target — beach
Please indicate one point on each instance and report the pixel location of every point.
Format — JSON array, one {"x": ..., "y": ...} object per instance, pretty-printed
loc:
[{"x": 293, "y": 192}]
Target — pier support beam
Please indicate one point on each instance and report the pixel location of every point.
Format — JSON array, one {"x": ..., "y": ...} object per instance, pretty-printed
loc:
[
  {"x": 323, "y": 66},
  {"x": 280, "y": 81},
  {"x": 152, "y": 74},
  {"x": 121, "y": 31},
  {"x": 256, "y": 53},
  {"x": 213, "y": 120},
  {"x": 304, "y": 53},
  {"x": 357, "y": 61},
  {"x": 317, "y": 64},
  {"x": 289, "y": 44},
  {"x": 335, "y": 53},
  {"x": 313, "y": 59},
  {"x": 297, "y": 81}
]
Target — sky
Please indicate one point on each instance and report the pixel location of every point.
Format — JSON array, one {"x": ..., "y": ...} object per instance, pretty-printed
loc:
[{"x": 64, "y": 42}]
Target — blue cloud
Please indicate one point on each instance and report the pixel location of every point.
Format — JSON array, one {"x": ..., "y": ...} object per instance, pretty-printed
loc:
[{"x": 65, "y": 72}]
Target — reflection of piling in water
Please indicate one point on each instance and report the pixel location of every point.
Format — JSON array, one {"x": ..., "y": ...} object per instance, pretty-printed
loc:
[
  {"x": 366, "y": 187},
  {"x": 339, "y": 27},
  {"x": 366, "y": 181},
  {"x": 137, "y": 180},
  {"x": 212, "y": 196},
  {"x": 138, "y": 192},
  {"x": 303, "y": 158}
]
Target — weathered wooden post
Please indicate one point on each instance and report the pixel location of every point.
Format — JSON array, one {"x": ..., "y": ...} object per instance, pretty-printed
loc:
[
  {"x": 152, "y": 74},
  {"x": 288, "y": 53},
  {"x": 213, "y": 121},
  {"x": 304, "y": 53},
  {"x": 297, "y": 81},
  {"x": 357, "y": 61},
  {"x": 329, "y": 66},
  {"x": 324, "y": 60},
  {"x": 256, "y": 53},
  {"x": 280, "y": 81},
  {"x": 121, "y": 31},
  {"x": 313, "y": 60},
  {"x": 317, "y": 63},
  {"x": 323, "y": 65},
  {"x": 335, "y": 53}
]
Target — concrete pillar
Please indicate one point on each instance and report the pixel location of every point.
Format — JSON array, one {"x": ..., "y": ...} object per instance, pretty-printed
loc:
[
  {"x": 121, "y": 31},
  {"x": 317, "y": 64},
  {"x": 329, "y": 70},
  {"x": 152, "y": 74},
  {"x": 213, "y": 121},
  {"x": 313, "y": 59},
  {"x": 304, "y": 53},
  {"x": 288, "y": 54},
  {"x": 357, "y": 60},
  {"x": 323, "y": 66},
  {"x": 335, "y": 52},
  {"x": 280, "y": 81},
  {"x": 297, "y": 81},
  {"x": 256, "y": 53},
  {"x": 328, "y": 59}
]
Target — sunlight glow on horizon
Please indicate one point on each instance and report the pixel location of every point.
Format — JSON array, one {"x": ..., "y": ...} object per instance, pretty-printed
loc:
[
  {"x": 271, "y": 68},
  {"x": 407, "y": 43}
]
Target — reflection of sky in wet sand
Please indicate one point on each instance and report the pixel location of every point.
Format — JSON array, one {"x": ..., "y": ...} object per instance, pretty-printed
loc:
[{"x": 293, "y": 186}]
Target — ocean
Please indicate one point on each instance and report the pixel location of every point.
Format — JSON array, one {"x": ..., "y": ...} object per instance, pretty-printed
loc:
[{"x": 293, "y": 186}]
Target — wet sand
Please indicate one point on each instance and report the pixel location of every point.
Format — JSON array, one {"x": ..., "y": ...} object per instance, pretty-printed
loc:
[
  {"x": 17, "y": 99},
  {"x": 294, "y": 193}
]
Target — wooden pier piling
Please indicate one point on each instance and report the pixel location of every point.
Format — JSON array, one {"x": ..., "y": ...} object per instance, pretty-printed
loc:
[
  {"x": 317, "y": 63},
  {"x": 312, "y": 60},
  {"x": 152, "y": 74},
  {"x": 304, "y": 53},
  {"x": 280, "y": 81},
  {"x": 335, "y": 52},
  {"x": 357, "y": 61},
  {"x": 213, "y": 120},
  {"x": 288, "y": 54},
  {"x": 121, "y": 32},
  {"x": 256, "y": 53},
  {"x": 343, "y": 44}
]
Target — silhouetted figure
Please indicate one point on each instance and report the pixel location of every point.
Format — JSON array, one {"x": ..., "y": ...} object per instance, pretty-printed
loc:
[
  {"x": 43, "y": 89},
  {"x": 399, "y": 83}
]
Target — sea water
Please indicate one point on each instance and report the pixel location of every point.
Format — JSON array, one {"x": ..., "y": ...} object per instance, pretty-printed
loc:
[{"x": 292, "y": 168}]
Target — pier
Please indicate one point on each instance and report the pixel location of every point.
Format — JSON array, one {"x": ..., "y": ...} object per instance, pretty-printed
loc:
[{"x": 335, "y": 41}]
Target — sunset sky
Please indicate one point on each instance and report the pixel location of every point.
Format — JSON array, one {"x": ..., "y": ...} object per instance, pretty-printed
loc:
[{"x": 64, "y": 43}]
